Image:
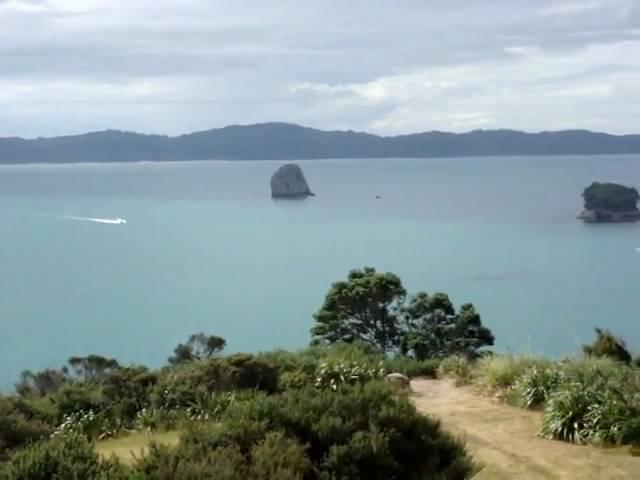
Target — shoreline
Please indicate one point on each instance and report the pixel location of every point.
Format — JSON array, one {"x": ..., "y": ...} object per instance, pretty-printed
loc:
[{"x": 318, "y": 159}]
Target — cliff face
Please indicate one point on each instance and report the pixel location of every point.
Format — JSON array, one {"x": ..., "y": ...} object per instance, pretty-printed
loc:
[{"x": 289, "y": 182}]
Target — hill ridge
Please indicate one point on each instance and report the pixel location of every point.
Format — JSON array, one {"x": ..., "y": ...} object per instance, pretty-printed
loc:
[{"x": 288, "y": 141}]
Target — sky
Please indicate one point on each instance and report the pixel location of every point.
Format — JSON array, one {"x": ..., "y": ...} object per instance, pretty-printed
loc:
[{"x": 384, "y": 66}]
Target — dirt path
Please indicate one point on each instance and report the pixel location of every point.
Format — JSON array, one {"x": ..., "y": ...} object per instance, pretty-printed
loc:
[{"x": 503, "y": 439}]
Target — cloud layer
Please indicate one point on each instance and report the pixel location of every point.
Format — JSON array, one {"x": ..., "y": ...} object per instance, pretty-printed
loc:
[{"x": 164, "y": 66}]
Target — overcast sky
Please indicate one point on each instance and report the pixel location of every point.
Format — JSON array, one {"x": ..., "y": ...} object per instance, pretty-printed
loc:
[{"x": 385, "y": 66}]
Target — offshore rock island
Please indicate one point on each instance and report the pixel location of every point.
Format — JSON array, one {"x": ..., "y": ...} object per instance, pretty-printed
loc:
[
  {"x": 289, "y": 182},
  {"x": 610, "y": 202}
]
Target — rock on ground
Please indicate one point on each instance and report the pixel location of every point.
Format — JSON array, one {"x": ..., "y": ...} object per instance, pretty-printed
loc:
[{"x": 398, "y": 380}]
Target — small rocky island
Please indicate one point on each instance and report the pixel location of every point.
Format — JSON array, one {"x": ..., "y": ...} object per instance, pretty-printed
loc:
[
  {"x": 289, "y": 182},
  {"x": 610, "y": 202}
]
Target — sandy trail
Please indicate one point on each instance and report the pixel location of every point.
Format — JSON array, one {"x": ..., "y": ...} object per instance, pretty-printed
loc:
[{"x": 503, "y": 439}]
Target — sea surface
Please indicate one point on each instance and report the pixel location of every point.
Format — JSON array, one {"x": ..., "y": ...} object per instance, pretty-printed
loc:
[{"x": 127, "y": 260}]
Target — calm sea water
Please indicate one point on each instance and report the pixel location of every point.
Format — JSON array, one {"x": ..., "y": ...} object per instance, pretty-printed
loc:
[{"x": 205, "y": 248}]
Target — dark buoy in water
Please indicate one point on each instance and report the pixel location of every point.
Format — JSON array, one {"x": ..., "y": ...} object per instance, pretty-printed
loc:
[{"x": 378, "y": 197}]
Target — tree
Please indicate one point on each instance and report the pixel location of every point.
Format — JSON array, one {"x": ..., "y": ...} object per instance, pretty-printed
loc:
[
  {"x": 433, "y": 329},
  {"x": 610, "y": 197},
  {"x": 41, "y": 383},
  {"x": 92, "y": 367},
  {"x": 608, "y": 345},
  {"x": 198, "y": 347},
  {"x": 363, "y": 308}
]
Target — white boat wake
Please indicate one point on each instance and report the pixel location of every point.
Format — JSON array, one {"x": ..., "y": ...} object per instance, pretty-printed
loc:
[{"x": 112, "y": 221}]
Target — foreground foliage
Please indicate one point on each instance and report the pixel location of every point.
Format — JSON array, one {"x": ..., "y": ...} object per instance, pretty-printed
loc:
[
  {"x": 357, "y": 432},
  {"x": 361, "y": 431}
]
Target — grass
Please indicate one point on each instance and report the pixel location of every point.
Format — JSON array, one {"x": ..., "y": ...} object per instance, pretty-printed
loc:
[
  {"x": 134, "y": 445},
  {"x": 501, "y": 371}
]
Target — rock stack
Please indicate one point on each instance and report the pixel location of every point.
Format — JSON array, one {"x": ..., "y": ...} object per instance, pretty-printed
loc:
[{"x": 289, "y": 182}]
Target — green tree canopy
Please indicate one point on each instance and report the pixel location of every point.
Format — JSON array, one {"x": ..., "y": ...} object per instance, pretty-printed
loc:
[
  {"x": 363, "y": 308},
  {"x": 610, "y": 197},
  {"x": 92, "y": 366},
  {"x": 370, "y": 307},
  {"x": 198, "y": 347},
  {"x": 40, "y": 383},
  {"x": 433, "y": 329}
]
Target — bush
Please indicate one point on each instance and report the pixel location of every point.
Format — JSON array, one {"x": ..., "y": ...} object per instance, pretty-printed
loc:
[
  {"x": 608, "y": 345},
  {"x": 334, "y": 375},
  {"x": 564, "y": 414},
  {"x": 411, "y": 367},
  {"x": 165, "y": 463},
  {"x": 16, "y": 429},
  {"x": 502, "y": 371},
  {"x": 597, "y": 404},
  {"x": 457, "y": 367},
  {"x": 278, "y": 456},
  {"x": 537, "y": 383},
  {"x": 187, "y": 385},
  {"x": 305, "y": 361},
  {"x": 69, "y": 457},
  {"x": 81, "y": 397},
  {"x": 362, "y": 431},
  {"x": 295, "y": 379}
]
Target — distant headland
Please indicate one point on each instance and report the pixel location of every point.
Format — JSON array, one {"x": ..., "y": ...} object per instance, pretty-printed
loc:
[{"x": 284, "y": 141}]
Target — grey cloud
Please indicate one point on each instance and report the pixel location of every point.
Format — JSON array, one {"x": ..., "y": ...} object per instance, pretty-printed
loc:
[{"x": 170, "y": 66}]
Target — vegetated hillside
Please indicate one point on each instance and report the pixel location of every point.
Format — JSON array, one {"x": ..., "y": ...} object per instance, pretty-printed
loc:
[{"x": 288, "y": 141}]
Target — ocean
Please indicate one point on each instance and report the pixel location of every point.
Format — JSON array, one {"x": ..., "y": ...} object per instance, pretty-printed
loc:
[{"x": 127, "y": 260}]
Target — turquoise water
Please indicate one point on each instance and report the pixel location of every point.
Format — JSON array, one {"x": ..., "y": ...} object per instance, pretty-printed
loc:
[{"x": 205, "y": 248}]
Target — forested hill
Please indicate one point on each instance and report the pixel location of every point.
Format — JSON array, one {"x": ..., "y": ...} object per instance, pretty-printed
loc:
[{"x": 287, "y": 141}]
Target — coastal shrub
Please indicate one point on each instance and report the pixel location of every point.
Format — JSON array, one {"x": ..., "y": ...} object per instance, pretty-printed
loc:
[
  {"x": 184, "y": 386},
  {"x": 78, "y": 397},
  {"x": 608, "y": 345},
  {"x": 305, "y": 361},
  {"x": 502, "y": 371},
  {"x": 412, "y": 367},
  {"x": 17, "y": 429},
  {"x": 275, "y": 456},
  {"x": 281, "y": 457},
  {"x": 295, "y": 379},
  {"x": 362, "y": 431},
  {"x": 590, "y": 369},
  {"x": 239, "y": 371},
  {"x": 598, "y": 404},
  {"x": 334, "y": 375},
  {"x": 350, "y": 419},
  {"x": 565, "y": 412},
  {"x": 166, "y": 463},
  {"x": 457, "y": 367},
  {"x": 129, "y": 388},
  {"x": 212, "y": 405},
  {"x": 69, "y": 457},
  {"x": 352, "y": 351},
  {"x": 537, "y": 383}
]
